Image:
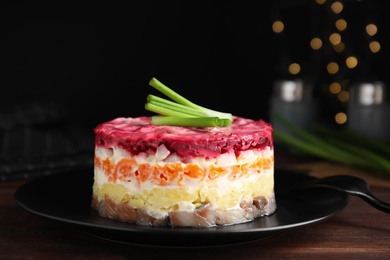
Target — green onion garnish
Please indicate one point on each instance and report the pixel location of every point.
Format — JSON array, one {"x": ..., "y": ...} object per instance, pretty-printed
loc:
[
  {"x": 340, "y": 146},
  {"x": 182, "y": 112}
]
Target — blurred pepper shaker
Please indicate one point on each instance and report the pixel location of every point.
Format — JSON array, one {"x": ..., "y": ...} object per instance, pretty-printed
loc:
[
  {"x": 293, "y": 100},
  {"x": 368, "y": 110}
]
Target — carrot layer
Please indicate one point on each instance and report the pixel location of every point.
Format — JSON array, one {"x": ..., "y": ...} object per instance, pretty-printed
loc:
[{"x": 128, "y": 170}]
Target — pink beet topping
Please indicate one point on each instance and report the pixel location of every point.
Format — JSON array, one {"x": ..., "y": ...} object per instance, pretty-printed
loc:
[{"x": 136, "y": 135}]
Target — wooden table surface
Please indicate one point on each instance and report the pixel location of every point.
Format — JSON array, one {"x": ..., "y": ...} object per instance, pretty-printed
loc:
[{"x": 358, "y": 232}]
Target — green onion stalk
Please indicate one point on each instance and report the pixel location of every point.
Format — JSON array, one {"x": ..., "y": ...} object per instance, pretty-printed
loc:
[
  {"x": 338, "y": 146},
  {"x": 182, "y": 112}
]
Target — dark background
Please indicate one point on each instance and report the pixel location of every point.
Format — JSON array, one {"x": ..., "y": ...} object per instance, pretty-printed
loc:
[{"x": 95, "y": 59}]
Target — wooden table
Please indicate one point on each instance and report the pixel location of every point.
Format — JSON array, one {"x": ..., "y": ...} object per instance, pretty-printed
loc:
[{"x": 358, "y": 232}]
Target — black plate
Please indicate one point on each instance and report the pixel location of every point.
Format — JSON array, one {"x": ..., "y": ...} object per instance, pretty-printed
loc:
[{"x": 66, "y": 197}]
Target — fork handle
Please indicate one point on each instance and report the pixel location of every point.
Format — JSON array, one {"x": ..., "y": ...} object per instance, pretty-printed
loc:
[{"x": 372, "y": 200}]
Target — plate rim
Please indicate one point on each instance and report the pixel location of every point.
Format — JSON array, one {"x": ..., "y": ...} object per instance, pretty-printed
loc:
[{"x": 114, "y": 226}]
